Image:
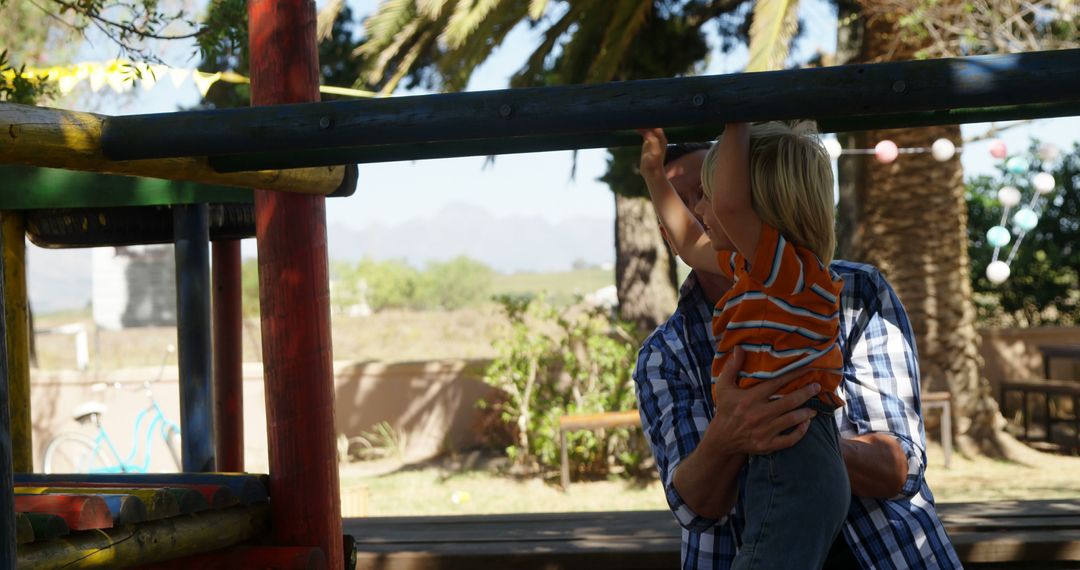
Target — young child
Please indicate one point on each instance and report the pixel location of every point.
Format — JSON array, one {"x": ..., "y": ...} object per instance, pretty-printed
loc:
[{"x": 768, "y": 228}]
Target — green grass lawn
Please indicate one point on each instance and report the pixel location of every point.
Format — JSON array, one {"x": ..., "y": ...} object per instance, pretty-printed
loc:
[
  {"x": 438, "y": 490},
  {"x": 561, "y": 287}
]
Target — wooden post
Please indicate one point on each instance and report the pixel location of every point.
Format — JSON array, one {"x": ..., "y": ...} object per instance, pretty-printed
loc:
[
  {"x": 8, "y": 529},
  {"x": 192, "y": 246},
  {"x": 228, "y": 356},
  {"x": 294, "y": 293},
  {"x": 17, "y": 317}
]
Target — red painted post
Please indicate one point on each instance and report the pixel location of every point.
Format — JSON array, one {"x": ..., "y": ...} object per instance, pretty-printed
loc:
[
  {"x": 228, "y": 356},
  {"x": 294, "y": 293}
]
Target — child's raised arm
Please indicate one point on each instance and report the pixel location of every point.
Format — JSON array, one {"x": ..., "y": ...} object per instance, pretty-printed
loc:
[
  {"x": 730, "y": 183},
  {"x": 683, "y": 230}
]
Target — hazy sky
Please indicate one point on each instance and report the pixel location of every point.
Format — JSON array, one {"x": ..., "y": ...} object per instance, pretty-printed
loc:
[
  {"x": 540, "y": 184},
  {"x": 535, "y": 184}
]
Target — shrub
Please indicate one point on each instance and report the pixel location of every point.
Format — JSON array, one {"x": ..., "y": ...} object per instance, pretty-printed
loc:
[{"x": 551, "y": 363}]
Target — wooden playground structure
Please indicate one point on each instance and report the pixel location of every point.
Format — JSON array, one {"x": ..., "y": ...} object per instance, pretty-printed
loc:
[{"x": 291, "y": 148}]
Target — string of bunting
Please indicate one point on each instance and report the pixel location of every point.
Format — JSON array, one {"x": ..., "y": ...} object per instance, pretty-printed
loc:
[{"x": 121, "y": 76}]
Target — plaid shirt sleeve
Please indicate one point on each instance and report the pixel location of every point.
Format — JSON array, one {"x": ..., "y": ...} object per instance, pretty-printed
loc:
[
  {"x": 674, "y": 414},
  {"x": 881, "y": 372}
]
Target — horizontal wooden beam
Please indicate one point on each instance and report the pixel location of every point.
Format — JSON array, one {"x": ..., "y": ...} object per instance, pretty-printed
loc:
[
  {"x": 149, "y": 542},
  {"x": 248, "y": 488},
  {"x": 567, "y": 113},
  {"x": 704, "y": 132},
  {"x": 80, "y": 512},
  {"x": 57, "y": 138}
]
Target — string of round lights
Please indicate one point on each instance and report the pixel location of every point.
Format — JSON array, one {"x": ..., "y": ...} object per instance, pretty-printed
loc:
[{"x": 1018, "y": 176}]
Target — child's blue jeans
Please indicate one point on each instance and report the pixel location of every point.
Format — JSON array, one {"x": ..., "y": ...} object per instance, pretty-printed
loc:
[{"x": 795, "y": 500}]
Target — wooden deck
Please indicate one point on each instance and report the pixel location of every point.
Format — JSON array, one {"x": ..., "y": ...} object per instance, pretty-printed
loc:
[{"x": 1027, "y": 534}]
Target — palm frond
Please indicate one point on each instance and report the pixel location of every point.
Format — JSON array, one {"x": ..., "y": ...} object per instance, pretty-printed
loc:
[
  {"x": 536, "y": 9},
  {"x": 465, "y": 20},
  {"x": 385, "y": 25},
  {"x": 628, "y": 18},
  {"x": 324, "y": 23},
  {"x": 535, "y": 64},
  {"x": 456, "y": 66},
  {"x": 375, "y": 68},
  {"x": 775, "y": 24},
  {"x": 423, "y": 41},
  {"x": 431, "y": 9}
]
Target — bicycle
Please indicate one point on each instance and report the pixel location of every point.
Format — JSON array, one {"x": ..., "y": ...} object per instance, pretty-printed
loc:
[{"x": 74, "y": 452}]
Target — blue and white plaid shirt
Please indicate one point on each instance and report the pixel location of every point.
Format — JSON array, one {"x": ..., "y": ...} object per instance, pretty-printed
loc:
[{"x": 881, "y": 388}]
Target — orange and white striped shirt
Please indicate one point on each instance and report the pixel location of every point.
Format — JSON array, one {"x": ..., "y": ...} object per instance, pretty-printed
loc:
[{"x": 784, "y": 313}]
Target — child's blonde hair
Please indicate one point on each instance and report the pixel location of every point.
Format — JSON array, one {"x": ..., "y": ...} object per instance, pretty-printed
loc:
[{"x": 791, "y": 184}]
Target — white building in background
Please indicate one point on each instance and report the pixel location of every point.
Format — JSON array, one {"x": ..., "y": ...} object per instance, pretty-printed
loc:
[{"x": 134, "y": 286}]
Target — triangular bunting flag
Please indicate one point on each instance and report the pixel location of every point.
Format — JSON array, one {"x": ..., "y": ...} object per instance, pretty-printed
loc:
[{"x": 203, "y": 81}]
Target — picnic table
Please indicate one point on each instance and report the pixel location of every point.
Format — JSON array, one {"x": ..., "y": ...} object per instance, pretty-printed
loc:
[{"x": 1006, "y": 534}]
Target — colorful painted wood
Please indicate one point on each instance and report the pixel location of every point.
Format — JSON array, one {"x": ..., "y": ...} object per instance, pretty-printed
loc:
[
  {"x": 24, "y": 531},
  {"x": 46, "y": 526},
  {"x": 80, "y": 512},
  {"x": 159, "y": 503},
  {"x": 277, "y": 557},
  {"x": 125, "y": 509},
  {"x": 214, "y": 496},
  {"x": 248, "y": 488},
  {"x": 150, "y": 542},
  {"x": 58, "y": 138}
]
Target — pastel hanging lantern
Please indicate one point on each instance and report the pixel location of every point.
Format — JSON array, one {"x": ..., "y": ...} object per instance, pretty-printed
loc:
[
  {"x": 1008, "y": 196},
  {"x": 942, "y": 150},
  {"x": 1017, "y": 165},
  {"x": 1025, "y": 219},
  {"x": 1048, "y": 152},
  {"x": 998, "y": 149},
  {"x": 1043, "y": 182},
  {"x": 832, "y": 146},
  {"x": 997, "y": 272},
  {"x": 998, "y": 236},
  {"x": 886, "y": 151}
]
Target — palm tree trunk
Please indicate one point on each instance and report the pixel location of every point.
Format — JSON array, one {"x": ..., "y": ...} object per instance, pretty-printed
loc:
[
  {"x": 644, "y": 267},
  {"x": 911, "y": 223}
]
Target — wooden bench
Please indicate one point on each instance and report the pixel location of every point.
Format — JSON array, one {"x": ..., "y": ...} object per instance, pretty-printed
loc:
[
  {"x": 574, "y": 422},
  {"x": 1006, "y": 534},
  {"x": 943, "y": 402},
  {"x": 1049, "y": 390},
  {"x": 631, "y": 418}
]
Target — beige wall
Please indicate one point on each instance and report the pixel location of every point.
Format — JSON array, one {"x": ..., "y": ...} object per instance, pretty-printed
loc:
[
  {"x": 1013, "y": 354},
  {"x": 432, "y": 404}
]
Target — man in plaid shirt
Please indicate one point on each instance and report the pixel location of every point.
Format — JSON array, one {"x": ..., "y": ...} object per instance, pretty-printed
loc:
[{"x": 701, "y": 446}]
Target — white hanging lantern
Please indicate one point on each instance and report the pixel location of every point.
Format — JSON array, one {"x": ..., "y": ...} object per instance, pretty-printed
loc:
[
  {"x": 1043, "y": 182},
  {"x": 1009, "y": 196},
  {"x": 997, "y": 272},
  {"x": 942, "y": 150}
]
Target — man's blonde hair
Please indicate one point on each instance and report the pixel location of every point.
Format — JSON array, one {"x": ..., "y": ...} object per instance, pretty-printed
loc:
[{"x": 791, "y": 184}]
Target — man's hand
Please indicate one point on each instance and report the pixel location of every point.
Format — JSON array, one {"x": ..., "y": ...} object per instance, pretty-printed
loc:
[
  {"x": 653, "y": 150},
  {"x": 749, "y": 421},
  {"x": 746, "y": 422}
]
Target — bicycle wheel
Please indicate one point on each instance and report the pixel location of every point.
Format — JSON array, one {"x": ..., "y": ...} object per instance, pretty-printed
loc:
[{"x": 75, "y": 453}]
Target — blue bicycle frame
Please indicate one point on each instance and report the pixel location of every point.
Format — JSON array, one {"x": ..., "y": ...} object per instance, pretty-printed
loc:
[{"x": 128, "y": 465}]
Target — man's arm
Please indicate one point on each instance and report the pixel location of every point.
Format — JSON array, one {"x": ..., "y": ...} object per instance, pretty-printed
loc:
[
  {"x": 876, "y": 465},
  {"x": 730, "y": 183},
  {"x": 682, "y": 229},
  {"x": 883, "y": 441}
]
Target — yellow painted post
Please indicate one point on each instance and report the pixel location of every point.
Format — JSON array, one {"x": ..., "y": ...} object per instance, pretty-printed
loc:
[{"x": 17, "y": 320}]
